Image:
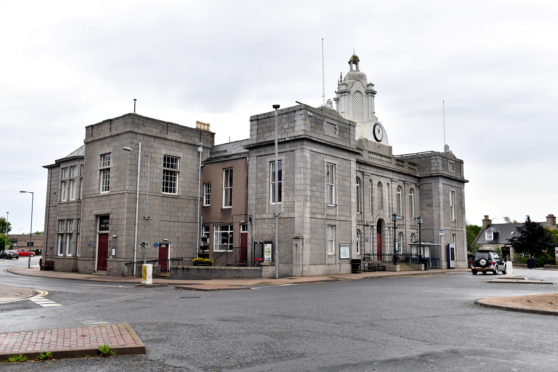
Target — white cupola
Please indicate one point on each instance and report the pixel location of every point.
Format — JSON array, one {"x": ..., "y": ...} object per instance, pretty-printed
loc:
[{"x": 355, "y": 101}]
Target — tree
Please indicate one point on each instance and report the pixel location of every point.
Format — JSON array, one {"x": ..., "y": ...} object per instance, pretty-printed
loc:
[
  {"x": 5, "y": 226},
  {"x": 532, "y": 238},
  {"x": 5, "y": 243},
  {"x": 472, "y": 232}
]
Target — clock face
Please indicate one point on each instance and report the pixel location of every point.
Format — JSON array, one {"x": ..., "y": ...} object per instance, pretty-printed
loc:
[{"x": 378, "y": 132}]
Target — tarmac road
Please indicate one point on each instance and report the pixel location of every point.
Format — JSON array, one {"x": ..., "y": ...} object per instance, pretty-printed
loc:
[{"x": 391, "y": 324}]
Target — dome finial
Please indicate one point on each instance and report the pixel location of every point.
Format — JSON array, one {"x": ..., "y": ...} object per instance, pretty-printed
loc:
[{"x": 354, "y": 60}]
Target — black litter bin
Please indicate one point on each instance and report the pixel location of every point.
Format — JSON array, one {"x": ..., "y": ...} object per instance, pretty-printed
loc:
[{"x": 531, "y": 263}]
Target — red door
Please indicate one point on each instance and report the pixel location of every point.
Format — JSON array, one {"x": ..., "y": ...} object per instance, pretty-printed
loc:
[
  {"x": 380, "y": 248},
  {"x": 164, "y": 257},
  {"x": 243, "y": 247},
  {"x": 102, "y": 252}
]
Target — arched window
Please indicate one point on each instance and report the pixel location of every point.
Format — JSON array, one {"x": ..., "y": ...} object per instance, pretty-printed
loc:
[
  {"x": 413, "y": 238},
  {"x": 414, "y": 248},
  {"x": 399, "y": 243},
  {"x": 411, "y": 203},
  {"x": 398, "y": 203},
  {"x": 371, "y": 196},
  {"x": 380, "y": 196},
  {"x": 358, "y": 196},
  {"x": 358, "y": 237}
]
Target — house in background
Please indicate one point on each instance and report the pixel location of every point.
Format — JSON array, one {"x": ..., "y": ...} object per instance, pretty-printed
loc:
[{"x": 495, "y": 236}]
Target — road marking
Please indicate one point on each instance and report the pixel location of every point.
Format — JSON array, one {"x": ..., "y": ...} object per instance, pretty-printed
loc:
[{"x": 42, "y": 301}]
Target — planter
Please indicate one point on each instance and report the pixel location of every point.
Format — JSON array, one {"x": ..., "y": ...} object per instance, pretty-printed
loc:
[{"x": 202, "y": 264}]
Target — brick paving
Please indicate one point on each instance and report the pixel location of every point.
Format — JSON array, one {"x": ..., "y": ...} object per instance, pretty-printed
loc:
[
  {"x": 71, "y": 342},
  {"x": 540, "y": 304}
]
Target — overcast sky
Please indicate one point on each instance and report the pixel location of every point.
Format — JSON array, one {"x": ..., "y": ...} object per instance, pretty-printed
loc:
[{"x": 67, "y": 64}]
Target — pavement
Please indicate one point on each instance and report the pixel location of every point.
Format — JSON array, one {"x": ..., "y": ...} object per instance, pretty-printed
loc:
[{"x": 72, "y": 342}]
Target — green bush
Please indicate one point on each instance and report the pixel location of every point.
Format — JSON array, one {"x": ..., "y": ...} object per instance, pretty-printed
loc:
[
  {"x": 45, "y": 356},
  {"x": 105, "y": 350},
  {"x": 202, "y": 261},
  {"x": 18, "y": 358}
]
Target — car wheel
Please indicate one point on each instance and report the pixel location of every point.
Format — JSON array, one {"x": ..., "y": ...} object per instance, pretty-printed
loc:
[
  {"x": 504, "y": 272},
  {"x": 474, "y": 272},
  {"x": 494, "y": 272},
  {"x": 484, "y": 273}
]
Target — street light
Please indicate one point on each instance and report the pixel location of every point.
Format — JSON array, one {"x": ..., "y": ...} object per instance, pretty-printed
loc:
[
  {"x": 30, "y": 225},
  {"x": 276, "y": 196},
  {"x": 138, "y": 183},
  {"x": 394, "y": 219}
]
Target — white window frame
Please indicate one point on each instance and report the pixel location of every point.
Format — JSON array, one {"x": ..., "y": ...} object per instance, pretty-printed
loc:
[
  {"x": 104, "y": 172},
  {"x": 452, "y": 204},
  {"x": 206, "y": 194},
  {"x": 399, "y": 243},
  {"x": 330, "y": 239},
  {"x": 330, "y": 180},
  {"x": 272, "y": 182},
  {"x": 219, "y": 231},
  {"x": 399, "y": 201},
  {"x": 411, "y": 203},
  {"x": 489, "y": 236},
  {"x": 228, "y": 187},
  {"x": 171, "y": 170}
]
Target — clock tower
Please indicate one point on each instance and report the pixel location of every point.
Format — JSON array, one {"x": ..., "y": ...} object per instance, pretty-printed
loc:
[{"x": 355, "y": 101}]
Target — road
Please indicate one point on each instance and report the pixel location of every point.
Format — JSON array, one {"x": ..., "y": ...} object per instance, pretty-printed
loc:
[{"x": 398, "y": 324}]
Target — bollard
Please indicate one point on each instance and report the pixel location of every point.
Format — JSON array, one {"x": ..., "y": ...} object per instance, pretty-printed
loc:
[
  {"x": 509, "y": 268},
  {"x": 29, "y": 262},
  {"x": 147, "y": 274}
]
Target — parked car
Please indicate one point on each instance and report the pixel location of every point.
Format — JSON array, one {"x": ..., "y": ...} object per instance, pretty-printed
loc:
[
  {"x": 25, "y": 252},
  {"x": 485, "y": 261},
  {"x": 9, "y": 254}
]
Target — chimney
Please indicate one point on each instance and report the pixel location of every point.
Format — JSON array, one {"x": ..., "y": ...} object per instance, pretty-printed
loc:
[
  {"x": 202, "y": 126},
  {"x": 551, "y": 221},
  {"x": 486, "y": 222}
]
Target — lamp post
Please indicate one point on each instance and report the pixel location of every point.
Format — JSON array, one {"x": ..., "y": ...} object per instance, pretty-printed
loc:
[
  {"x": 419, "y": 221},
  {"x": 30, "y": 225},
  {"x": 138, "y": 183},
  {"x": 276, "y": 196},
  {"x": 394, "y": 219}
]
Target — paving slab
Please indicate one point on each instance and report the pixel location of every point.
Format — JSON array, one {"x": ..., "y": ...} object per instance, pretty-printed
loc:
[
  {"x": 211, "y": 287},
  {"x": 238, "y": 282},
  {"x": 71, "y": 342},
  {"x": 12, "y": 294},
  {"x": 546, "y": 304}
]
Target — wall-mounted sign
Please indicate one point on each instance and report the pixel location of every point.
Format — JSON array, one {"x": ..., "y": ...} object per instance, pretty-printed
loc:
[
  {"x": 90, "y": 244},
  {"x": 344, "y": 251},
  {"x": 441, "y": 233}
]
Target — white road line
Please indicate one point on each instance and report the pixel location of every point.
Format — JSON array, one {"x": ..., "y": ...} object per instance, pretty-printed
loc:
[{"x": 42, "y": 301}]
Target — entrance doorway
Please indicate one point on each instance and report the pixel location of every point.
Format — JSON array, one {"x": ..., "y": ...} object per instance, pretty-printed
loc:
[
  {"x": 243, "y": 244},
  {"x": 379, "y": 239},
  {"x": 164, "y": 257},
  {"x": 102, "y": 242}
]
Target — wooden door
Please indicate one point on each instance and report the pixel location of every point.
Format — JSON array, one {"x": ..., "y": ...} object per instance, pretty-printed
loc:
[
  {"x": 102, "y": 252},
  {"x": 243, "y": 248},
  {"x": 164, "y": 257}
]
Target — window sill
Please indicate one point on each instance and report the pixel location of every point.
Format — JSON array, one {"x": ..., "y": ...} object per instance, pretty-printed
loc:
[
  {"x": 169, "y": 194},
  {"x": 226, "y": 207}
]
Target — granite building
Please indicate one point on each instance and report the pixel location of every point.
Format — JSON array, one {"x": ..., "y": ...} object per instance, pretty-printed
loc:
[{"x": 342, "y": 193}]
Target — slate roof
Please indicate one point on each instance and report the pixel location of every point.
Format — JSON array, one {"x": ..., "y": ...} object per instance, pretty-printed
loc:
[{"x": 501, "y": 233}]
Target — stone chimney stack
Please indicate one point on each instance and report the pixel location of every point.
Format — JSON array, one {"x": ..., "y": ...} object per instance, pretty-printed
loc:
[
  {"x": 486, "y": 222},
  {"x": 551, "y": 221}
]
